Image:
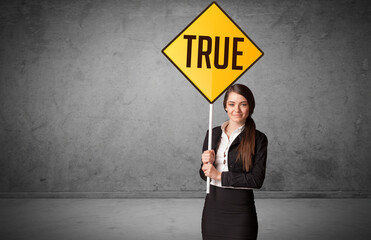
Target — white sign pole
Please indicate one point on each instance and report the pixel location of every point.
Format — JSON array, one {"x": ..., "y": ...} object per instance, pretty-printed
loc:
[{"x": 209, "y": 142}]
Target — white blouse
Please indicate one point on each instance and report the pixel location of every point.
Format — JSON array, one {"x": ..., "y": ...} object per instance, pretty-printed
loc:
[{"x": 221, "y": 160}]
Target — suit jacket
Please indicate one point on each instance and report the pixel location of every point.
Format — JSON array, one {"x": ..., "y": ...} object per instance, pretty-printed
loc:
[{"x": 236, "y": 176}]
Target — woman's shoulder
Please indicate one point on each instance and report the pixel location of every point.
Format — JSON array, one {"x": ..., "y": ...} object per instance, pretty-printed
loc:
[
  {"x": 215, "y": 129},
  {"x": 260, "y": 136}
]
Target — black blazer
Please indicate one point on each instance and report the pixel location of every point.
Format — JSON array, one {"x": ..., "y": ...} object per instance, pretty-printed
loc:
[{"x": 236, "y": 176}]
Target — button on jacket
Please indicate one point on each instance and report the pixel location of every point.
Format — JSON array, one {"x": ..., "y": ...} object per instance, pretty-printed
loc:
[{"x": 236, "y": 176}]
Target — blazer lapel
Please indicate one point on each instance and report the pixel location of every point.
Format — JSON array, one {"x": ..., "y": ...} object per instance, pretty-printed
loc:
[
  {"x": 217, "y": 133},
  {"x": 238, "y": 139}
]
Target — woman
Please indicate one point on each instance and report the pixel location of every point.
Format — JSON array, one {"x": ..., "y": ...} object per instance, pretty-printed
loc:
[{"x": 237, "y": 167}]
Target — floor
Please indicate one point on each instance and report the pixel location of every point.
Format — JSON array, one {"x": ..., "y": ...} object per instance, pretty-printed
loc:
[{"x": 169, "y": 219}]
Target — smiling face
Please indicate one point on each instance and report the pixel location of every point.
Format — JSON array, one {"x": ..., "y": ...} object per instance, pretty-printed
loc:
[{"x": 237, "y": 108}]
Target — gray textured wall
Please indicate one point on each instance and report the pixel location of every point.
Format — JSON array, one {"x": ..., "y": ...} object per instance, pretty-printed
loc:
[{"x": 90, "y": 104}]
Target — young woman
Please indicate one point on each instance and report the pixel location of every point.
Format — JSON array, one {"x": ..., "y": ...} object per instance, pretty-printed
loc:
[{"x": 236, "y": 165}]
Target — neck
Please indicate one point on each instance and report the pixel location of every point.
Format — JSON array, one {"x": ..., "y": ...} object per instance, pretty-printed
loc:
[{"x": 232, "y": 126}]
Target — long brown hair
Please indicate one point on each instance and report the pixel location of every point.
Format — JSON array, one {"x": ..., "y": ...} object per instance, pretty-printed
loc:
[{"x": 246, "y": 150}]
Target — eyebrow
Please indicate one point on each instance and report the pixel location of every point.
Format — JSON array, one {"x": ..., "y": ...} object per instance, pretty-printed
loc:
[{"x": 240, "y": 102}]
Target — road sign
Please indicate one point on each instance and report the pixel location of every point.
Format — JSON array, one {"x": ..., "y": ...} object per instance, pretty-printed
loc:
[{"x": 212, "y": 52}]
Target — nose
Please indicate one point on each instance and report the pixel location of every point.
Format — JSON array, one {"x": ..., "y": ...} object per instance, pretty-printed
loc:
[{"x": 238, "y": 109}]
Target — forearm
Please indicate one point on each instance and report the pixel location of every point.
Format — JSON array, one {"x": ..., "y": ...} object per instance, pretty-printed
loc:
[
  {"x": 204, "y": 147},
  {"x": 247, "y": 180}
]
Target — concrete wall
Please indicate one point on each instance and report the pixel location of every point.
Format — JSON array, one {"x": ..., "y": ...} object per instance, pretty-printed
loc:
[{"x": 90, "y": 104}]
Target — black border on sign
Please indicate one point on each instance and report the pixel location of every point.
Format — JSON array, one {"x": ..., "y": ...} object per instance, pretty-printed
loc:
[{"x": 186, "y": 29}]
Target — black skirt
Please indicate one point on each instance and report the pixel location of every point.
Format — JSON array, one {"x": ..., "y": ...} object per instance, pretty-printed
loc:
[{"x": 229, "y": 214}]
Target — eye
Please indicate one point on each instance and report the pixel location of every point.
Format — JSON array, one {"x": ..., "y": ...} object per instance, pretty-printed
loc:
[
  {"x": 244, "y": 104},
  {"x": 231, "y": 104}
]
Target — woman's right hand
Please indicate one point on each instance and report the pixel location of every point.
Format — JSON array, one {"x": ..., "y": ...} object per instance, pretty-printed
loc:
[{"x": 208, "y": 156}]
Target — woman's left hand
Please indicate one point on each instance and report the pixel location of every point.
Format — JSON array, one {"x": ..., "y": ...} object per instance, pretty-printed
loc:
[{"x": 211, "y": 172}]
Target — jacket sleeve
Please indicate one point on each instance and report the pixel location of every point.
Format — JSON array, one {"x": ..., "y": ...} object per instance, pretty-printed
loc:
[
  {"x": 204, "y": 148},
  {"x": 255, "y": 177}
]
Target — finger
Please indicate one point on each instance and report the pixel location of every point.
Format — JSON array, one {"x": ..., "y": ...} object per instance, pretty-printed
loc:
[
  {"x": 209, "y": 152},
  {"x": 206, "y": 152},
  {"x": 205, "y": 157},
  {"x": 206, "y": 167}
]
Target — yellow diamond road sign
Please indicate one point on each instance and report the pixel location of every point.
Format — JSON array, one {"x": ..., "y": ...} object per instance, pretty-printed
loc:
[{"x": 212, "y": 52}]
